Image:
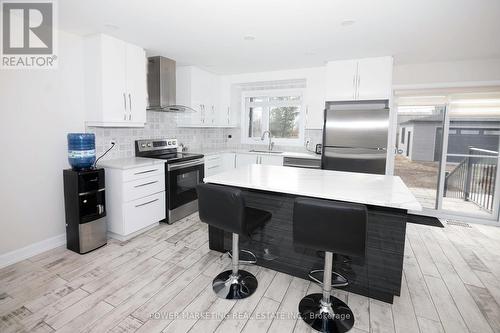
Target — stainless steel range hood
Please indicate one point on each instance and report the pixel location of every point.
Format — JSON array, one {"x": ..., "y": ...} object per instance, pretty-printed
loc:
[{"x": 161, "y": 86}]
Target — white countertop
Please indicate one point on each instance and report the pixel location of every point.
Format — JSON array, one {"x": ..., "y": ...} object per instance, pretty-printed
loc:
[
  {"x": 369, "y": 189},
  {"x": 129, "y": 163}
]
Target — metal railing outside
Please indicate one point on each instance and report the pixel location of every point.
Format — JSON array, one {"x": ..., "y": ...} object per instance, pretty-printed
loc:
[{"x": 474, "y": 178}]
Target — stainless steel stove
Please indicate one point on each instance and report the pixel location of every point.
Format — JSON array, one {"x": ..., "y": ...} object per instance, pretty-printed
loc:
[{"x": 183, "y": 171}]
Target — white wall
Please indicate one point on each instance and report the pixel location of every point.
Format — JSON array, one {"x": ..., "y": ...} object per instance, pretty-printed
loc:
[
  {"x": 38, "y": 108},
  {"x": 447, "y": 73}
]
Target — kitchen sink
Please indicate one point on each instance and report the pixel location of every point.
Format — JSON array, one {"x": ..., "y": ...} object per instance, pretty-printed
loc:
[{"x": 265, "y": 151}]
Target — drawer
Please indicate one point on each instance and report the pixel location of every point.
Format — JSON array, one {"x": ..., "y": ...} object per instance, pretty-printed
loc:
[
  {"x": 140, "y": 188},
  {"x": 213, "y": 160},
  {"x": 212, "y": 170},
  {"x": 144, "y": 212},
  {"x": 143, "y": 172}
]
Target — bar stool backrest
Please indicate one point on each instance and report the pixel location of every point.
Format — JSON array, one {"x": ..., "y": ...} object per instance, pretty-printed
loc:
[
  {"x": 222, "y": 207},
  {"x": 332, "y": 226}
]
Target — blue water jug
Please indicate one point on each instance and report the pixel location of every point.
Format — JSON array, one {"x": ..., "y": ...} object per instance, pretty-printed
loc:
[{"x": 81, "y": 150}]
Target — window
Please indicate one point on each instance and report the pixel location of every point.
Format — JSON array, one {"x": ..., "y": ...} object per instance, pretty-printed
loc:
[{"x": 280, "y": 113}]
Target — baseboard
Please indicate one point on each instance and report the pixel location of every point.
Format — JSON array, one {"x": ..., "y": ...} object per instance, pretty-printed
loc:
[{"x": 29, "y": 251}]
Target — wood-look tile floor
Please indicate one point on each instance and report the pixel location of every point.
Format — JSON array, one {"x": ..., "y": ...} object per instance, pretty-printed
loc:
[{"x": 160, "y": 281}]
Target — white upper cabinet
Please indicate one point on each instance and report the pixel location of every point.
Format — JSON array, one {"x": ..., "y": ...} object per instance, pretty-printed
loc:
[
  {"x": 115, "y": 83},
  {"x": 314, "y": 98},
  {"x": 359, "y": 79},
  {"x": 375, "y": 78},
  {"x": 341, "y": 80},
  {"x": 136, "y": 83},
  {"x": 203, "y": 92}
]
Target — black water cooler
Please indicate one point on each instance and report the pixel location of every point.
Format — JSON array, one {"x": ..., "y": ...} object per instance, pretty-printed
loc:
[{"x": 84, "y": 199}]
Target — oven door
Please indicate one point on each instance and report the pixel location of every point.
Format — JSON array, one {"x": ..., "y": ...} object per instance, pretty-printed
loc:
[{"x": 182, "y": 180}]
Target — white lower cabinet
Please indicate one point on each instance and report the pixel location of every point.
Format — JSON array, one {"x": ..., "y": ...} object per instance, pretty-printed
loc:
[
  {"x": 265, "y": 159},
  {"x": 271, "y": 160},
  {"x": 246, "y": 159},
  {"x": 228, "y": 161},
  {"x": 135, "y": 199},
  {"x": 141, "y": 213},
  {"x": 218, "y": 163},
  {"x": 222, "y": 162}
]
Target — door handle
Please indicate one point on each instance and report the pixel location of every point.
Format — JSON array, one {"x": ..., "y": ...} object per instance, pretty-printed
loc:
[
  {"x": 143, "y": 172},
  {"x": 146, "y": 203},
  {"x": 354, "y": 86},
  {"x": 100, "y": 209},
  {"x": 357, "y": 89},
  {"x": 124, "y": 107},
  {"x": 145, "y": 184}
]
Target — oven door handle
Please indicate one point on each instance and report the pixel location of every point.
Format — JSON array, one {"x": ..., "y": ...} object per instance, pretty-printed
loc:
[{"x": 177, "y": 166}]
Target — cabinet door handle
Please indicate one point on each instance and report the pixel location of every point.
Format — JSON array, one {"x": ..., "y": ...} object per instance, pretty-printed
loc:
[
  {"x": 124, "y": 102},
  {"x": 213, "y": 167},
  {"x": 357, "y": 89},
  {"x": 147, "y": 171},
  {"x": 146, "y": 184},
  {"x": 146, "y": 203},
  {"x": 354, "y": 86}
]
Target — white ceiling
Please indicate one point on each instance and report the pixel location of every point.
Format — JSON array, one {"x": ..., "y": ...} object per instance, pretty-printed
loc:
[{"x": 293, "y": 33}]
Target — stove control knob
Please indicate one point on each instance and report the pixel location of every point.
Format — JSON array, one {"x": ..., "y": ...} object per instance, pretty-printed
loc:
[
  {"x": 169, "y": 143},
  {"x": 143, "y": 145},
  {"x": 149, "y": 145}
]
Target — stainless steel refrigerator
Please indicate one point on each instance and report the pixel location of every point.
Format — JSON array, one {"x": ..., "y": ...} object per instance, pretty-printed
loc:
[{"x": 355, "y": 136}]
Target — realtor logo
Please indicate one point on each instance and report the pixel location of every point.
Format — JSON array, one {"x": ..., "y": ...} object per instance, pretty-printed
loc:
[{"x": 28, "y": 34}]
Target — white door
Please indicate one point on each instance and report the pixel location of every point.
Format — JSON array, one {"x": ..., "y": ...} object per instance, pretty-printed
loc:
[
  {"x": 374, "y": 78},
  {"x": 136, "y": 83},
  {"x": 271, "y": 160},
  {"x": 114, "y": 90},
  {"x": 341, "y": 80},
  {"x": 245, "y": 159}
]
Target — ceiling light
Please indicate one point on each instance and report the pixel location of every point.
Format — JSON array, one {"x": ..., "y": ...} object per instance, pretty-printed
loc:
[
  {"x": 346, "y": 23},
  {"x": 249, "y": 37}
]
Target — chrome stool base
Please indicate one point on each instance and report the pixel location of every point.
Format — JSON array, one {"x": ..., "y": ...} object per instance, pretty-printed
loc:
[
  {"x": 239, "y": 286},
  {"x": 338, "y": 281},
  {"x": 334, "y": 316}
]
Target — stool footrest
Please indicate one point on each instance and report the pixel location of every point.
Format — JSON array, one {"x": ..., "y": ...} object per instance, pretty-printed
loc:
[
  {"x": 248, "y": 257},
  {"x": 338, "y": 281}
]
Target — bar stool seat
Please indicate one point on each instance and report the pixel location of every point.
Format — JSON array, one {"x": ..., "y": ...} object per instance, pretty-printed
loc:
[
  {"x": 329, "y": 226},
  {"x": 224, "y": 207}
]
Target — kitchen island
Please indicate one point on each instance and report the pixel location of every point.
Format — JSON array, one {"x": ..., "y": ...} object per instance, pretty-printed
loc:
[{"x": 274, "y": 188}]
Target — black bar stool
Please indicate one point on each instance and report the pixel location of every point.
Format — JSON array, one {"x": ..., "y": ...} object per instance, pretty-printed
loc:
[
  {"x": 224, "y": 207},
  {"x": 329, "y": 226}
]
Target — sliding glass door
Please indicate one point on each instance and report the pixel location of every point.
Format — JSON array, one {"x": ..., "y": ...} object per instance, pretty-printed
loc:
[
  {"x": 448, "y": 153},
  {"x": 471, "y": 172},
  {"x": 419, "y": 146}
]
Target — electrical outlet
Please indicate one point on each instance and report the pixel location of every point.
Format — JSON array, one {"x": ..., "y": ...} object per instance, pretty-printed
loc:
[
  {"x": 112, "y": 142},
  {"x": 308, "y": 142}
]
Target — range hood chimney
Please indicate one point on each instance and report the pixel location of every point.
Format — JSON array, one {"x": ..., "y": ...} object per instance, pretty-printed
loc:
[{"x": 161, "y": 85}]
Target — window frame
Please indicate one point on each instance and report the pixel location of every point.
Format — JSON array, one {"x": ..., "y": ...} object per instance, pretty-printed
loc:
[{"x": 245, "y": 120}]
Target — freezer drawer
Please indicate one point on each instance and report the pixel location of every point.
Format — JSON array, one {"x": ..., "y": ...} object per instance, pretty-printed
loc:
[{"x": 354, "y": 160}]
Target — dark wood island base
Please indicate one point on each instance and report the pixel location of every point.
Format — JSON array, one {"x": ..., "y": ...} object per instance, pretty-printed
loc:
[{"x": 378, "y": 276}]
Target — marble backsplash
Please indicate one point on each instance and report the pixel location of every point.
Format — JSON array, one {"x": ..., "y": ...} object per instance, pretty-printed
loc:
[{"x": 164, "y": 125}]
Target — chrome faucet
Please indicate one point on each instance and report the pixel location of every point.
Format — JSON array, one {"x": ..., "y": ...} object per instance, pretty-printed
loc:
[{"x": 270, "y": 144}]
